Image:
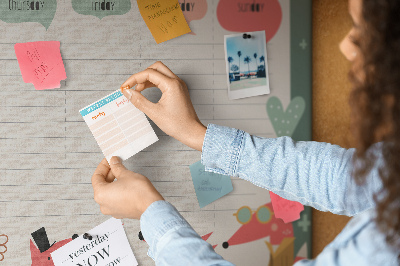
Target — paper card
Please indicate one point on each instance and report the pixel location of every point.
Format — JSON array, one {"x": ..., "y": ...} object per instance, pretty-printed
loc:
[
  {"x": 109, "y": 246},
  {"x": 209, "y": 186},
  {"x": 41, "y": 64},
  {"x": 118, "y": 126},
  {"x": 287, "y": 210},
  {"x": 246, "y": 64},
  {"x": 164, "y": 18}
]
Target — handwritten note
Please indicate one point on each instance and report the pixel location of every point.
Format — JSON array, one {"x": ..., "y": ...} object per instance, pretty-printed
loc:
[
  {"x": 287, "y": 210},
  {"x": 41, "y": 64},
  {"x": 164, "y": 18},
  {"x": 109, "y": 246},
  {"x": 209, "y": 186},
  {"x": 118, "y": 126}
]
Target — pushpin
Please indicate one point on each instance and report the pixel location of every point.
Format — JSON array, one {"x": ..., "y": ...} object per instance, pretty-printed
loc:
[
  {"x": 125, "y": 88},
  {"x": 246, "y": 36},
  {"x": 140, "y": 235},
  {"x": 87, "y": 236}
]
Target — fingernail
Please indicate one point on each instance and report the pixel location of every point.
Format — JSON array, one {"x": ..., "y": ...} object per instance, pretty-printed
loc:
[
  {"x": 125, "y": 88},
  {"x": 129, "y": 93},
  {"x": 115, "y": 160}
]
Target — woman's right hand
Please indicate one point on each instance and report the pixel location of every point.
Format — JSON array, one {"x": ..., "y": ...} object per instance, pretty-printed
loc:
[{"x": 174, "y": 112}]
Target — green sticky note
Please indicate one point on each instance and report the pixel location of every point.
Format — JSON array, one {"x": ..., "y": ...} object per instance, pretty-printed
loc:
[
  {"x": 17, "y": 11},
  {"x": 101, "y": 8},
  {"x": 209, "y": 186}
]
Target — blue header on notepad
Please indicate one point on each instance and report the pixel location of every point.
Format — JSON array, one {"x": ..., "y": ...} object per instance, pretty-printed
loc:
[{"x": 100, "y": 103}]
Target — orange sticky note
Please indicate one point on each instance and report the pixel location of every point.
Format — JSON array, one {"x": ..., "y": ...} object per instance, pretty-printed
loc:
[
  {"x": 164, "y": 18},
  {"x": 41, "y": 64}
]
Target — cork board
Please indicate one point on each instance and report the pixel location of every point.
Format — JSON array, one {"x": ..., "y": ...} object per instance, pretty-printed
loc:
[
  {"x": 48, "y": 153},
  {"x": 331, "y": 89}
]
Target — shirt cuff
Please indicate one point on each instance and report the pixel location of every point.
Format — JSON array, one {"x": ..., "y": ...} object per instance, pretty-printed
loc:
[
  {"x": 158, "y": 219},
  {"x": 222, "y": 148}
]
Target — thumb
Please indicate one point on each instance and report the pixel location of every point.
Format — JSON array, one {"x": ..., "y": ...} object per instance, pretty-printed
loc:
[
  {"x": 139, "y": 101},
  {"x": 117, "y": 167}
]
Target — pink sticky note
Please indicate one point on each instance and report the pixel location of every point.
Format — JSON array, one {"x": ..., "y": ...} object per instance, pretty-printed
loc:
[
  {"x": 287, "y": 210},
  {"x": 41, "y": 64}
]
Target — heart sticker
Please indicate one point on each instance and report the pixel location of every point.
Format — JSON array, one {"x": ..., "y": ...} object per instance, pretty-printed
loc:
[{"x": 285, "y": 122}]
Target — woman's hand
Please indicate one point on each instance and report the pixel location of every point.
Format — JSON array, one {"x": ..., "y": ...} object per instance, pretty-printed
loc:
[
  {"x": 127, "y": 197},
  {"x": 174, "y": 112}
]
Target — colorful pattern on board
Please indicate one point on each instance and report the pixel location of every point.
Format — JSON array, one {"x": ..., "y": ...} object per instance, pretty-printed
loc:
[
  {"x": 3, "y": 247},
  {"x": 41, "y": 255},
  {"x": 285, "y": 122},
  {"x": 18, "y": 11},
  {"x": 193, "y": 10},
  {"x": 101, "y": 8},
  {"x": 262, "y": 223},
  {"x": 250, "y": 15}
]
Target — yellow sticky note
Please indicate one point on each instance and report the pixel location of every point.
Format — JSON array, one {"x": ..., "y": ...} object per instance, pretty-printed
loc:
[{"x": 164, "y": 18}]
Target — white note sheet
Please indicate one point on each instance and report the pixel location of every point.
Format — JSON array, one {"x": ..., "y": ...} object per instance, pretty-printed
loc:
[
  {"x": 109, "y": 246},
  {"x": 118, "y": 126}
]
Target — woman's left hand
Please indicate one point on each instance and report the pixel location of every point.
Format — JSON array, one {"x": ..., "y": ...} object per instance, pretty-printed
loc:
[{"x": 127, "y": 197}]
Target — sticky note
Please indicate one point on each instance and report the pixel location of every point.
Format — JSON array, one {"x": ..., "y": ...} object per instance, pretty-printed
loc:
[
  {"x": 109, "y": 246},
  {"x": 287, "y": 210},
  {"x": 118, "y": 126},
  {"x": 209, "y": 186},
  {"x": 41, "y": 64},
  {"x": 164, "y": 18}
]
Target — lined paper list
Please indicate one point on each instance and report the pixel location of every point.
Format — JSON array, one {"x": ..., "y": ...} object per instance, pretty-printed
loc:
[{"x": 118, "y": 126}]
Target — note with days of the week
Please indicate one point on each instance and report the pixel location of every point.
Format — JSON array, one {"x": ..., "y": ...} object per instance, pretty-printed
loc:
[
  {"x": 164, "y": 18},
  {"x": 41, "y": 64},
  {"x": 109, "y": 246},
  {"x": 209, "y": 186},
  {"x": 118, "y": 126}
]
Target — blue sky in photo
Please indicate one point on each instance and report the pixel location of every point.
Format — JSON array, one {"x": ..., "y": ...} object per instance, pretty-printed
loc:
[{"x": 248, "y": 47}]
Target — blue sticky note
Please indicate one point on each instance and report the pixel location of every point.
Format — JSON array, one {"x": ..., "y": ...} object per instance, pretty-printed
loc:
[{"x": 209, "y": 186}]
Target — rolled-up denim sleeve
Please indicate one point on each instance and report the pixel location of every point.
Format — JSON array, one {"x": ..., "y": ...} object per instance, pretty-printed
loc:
[
  {"x": 171, "y": 239},
  {"x": 313, "y": 173}
]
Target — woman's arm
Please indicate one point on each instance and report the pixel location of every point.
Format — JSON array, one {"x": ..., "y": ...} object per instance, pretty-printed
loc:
[
  {"x": 315, "y": 174},
  {"x": 173, "y": 241},
  {"x": 312, "y": 173}
]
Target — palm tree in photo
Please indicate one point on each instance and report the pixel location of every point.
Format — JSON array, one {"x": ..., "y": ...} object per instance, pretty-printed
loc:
[
  {"x": 230, "y": 60},
  {"x": 247, "y": 60},
  {"x": 255, "y": 58},
  {"x": 239, "y": 54},
  {"x": 262, "y": 59}
]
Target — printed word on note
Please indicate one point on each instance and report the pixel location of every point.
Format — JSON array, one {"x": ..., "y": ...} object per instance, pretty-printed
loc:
[
  {"x": 109, "y": 246},
  {"x": 164, "y": 18},
  {"x": 118, "y": 126},
  {"x": 41, "y": 64}
]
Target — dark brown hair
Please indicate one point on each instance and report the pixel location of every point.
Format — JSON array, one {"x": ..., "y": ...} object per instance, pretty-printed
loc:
[{"x": 375, "y": 103}]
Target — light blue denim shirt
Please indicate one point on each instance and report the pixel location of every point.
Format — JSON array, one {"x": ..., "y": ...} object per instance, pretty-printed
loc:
[{"x": 312, "y": 173}]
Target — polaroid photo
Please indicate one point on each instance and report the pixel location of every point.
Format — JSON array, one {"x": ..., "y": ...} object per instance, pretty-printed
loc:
[{"x": 246, "y": 64}]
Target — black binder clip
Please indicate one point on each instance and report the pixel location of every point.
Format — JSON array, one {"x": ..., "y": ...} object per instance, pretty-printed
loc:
[{"x": 246, "y": 36}]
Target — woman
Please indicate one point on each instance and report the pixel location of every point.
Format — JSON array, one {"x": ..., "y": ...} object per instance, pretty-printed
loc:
[{"x": 362, "y": 182}]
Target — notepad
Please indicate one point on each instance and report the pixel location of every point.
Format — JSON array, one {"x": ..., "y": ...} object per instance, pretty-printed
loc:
[
  {"x": 108, "y": 246},
  {"x": 118, "y": 126}
]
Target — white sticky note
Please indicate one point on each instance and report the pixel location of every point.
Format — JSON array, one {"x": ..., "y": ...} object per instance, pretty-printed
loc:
[
  {"x": 118, "y": 126},
  {"x": 109, "y": 246}
]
